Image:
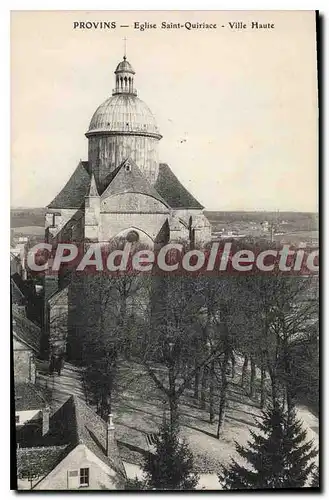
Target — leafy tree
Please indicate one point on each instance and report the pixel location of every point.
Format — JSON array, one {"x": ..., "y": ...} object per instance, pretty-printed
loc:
[
  {"x": 171, "y": 466},
  {"x": 276, "y": 457}
]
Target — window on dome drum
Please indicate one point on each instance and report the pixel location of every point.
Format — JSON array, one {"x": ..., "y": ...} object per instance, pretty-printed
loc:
[
  {"x": 84, "y": 477},
  {"x": 132, "y": 236}
]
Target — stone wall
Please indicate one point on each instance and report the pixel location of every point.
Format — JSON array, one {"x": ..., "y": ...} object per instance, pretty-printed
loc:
[
  {"x": 58, "y": 320},
  {"x": 24, "y": 364},
  {"x": 114, "y": 223},
  {"x": 133, "y": 202}
]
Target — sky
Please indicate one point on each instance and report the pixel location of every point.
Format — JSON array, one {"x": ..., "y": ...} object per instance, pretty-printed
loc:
[{"x": 237, "y": 108}]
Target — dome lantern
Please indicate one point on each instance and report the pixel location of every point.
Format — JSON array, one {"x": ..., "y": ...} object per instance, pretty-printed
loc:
[{"x": 124, "y": 78}]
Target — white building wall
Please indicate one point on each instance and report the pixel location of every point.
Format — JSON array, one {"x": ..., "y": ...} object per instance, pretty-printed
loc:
[
  {"x": 27, "y": 416},
  {"x": 101, "y": 477}
]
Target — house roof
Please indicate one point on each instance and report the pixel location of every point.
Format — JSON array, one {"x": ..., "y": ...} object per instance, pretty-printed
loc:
[
  {"x": 170, "y": 188},
  {"x": 73, "y": 193},
  {"x": 25, "y": 330},
  {"x": 28, "y": 397},
  {"x": 76, "y": 423},
  {"x": 72, "y": 424},
  {"x": 26, "y": 287},
  {"x": 38, "y": 461},
  {"x": 17, "y": 296}
]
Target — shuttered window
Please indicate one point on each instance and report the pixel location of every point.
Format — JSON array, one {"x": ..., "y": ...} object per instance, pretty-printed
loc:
[{"x": 73, "y": 479}]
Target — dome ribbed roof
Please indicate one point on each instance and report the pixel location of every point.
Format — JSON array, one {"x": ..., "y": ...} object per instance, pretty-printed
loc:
[
  {"x": 125, "y": 66},
  {"x": 123, "y": 113}
]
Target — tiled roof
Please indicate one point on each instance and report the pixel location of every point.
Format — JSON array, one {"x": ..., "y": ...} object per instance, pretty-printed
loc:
[
  {"x": 169, "y": 187},
  {"x": 28, "y": 397},
  {"x": 74, "y": 423},
  {"x": 24, "y": 330},
  {"x": 73, "y": 193},
  {"x": 38, "y": 461}
]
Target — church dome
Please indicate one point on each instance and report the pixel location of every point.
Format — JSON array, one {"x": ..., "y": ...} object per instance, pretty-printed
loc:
[
  {"x": 123, "y": 127},
  {"x": 125, "y": 113}
]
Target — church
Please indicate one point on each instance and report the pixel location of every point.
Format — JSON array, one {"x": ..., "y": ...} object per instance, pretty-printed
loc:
[{"x": 122, "y": 191}]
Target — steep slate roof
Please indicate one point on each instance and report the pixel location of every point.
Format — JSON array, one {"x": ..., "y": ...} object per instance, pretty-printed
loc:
[
  {"x": 132, "y": 181},
  {"x": 28, "y": 397},
  {"x": 73, "y": 193},
  {"x": 75, "y": 423},
  {"x": 169, "y": 187},
  {"x": 24, "y": 330}
]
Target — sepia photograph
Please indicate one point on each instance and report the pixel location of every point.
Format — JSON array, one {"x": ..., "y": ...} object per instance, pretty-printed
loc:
[{"x": 164, "y": 250}]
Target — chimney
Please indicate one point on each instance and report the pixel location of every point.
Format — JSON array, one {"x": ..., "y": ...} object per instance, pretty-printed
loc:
[
  {"x": 45, "y": 420},
  {"x": 109, "y": 434}
]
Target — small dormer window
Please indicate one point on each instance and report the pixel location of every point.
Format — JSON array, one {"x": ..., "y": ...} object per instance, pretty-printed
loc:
[{"x": 128, "y": 167}]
